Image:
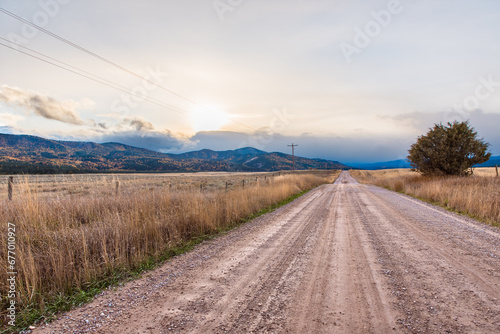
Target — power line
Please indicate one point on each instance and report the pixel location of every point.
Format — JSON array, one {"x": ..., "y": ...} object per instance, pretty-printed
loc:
[
  {"x": 112, "y": 85},
  {"x": 98, "y": 79},
  {"x": 76, "y": 46},
  {"x": 293, "y": 153},
  {"x": 61, "y": 62},
  {"x": 88, "y": 75}
]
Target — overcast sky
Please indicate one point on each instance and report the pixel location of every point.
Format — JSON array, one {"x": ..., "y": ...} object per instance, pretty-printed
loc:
[{"x": 353, "y": 81}]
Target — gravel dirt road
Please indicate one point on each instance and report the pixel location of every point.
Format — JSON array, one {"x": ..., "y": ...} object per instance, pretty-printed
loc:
[{"x": 344, "y": 258}]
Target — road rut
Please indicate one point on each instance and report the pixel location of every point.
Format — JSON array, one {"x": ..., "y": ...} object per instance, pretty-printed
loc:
[{"x": 344, "y": 258}]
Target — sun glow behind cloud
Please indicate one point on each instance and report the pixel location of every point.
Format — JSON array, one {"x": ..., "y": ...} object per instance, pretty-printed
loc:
[{"x": 208, "y": 118}]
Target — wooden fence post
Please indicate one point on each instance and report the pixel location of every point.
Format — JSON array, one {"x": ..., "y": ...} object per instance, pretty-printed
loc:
[
  {"x": 10, "y": 183},
  {"x": 226, "y": 185},
  {"x": 117, "y": 188},
  {"x": 496, "y": 168},
  {"x": 243, "y": 183}
]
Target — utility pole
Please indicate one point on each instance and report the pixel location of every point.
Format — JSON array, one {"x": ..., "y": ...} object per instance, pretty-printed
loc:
[{"x": 293, "y": 154}]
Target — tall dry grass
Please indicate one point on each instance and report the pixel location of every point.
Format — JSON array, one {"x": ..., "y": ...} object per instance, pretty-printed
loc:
[
  {"x": 64, "y": 243},
  {"x": 478, "y": 196}
]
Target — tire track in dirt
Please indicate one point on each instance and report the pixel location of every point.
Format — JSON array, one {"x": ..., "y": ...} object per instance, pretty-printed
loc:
[{"x": 345, "y": 291}]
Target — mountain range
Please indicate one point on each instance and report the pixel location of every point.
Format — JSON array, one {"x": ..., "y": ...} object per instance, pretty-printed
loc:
[{"x": 31, "y": 154}]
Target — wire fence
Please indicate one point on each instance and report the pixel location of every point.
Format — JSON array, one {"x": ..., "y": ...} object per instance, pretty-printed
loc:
[{"x": 75, "y": 185}]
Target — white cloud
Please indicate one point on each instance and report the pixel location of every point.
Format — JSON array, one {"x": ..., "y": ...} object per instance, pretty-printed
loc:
[
  {"x": 10, "y": 119},
  {"x": 42, "y": 105}
]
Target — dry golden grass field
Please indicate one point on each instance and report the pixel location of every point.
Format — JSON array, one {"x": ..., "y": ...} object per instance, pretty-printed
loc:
[
  {"x": 105, "y": 184},
  {"x": 477, "y": 196},
  {"x": 486, "y": 171},
  {"x": 74, "y": 231}
]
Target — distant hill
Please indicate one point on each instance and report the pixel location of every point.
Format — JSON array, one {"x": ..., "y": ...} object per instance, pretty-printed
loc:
[
  {"x": 31, "y": 154},
  {"x": 402, "y": 163},
  {"x": 405, "y": 163},
  {"x": 252, "y": 159},
  {"x": 491, "y": 163}
]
